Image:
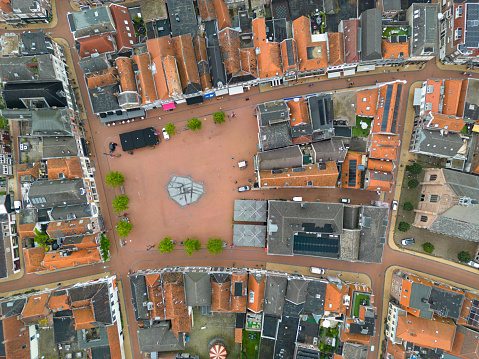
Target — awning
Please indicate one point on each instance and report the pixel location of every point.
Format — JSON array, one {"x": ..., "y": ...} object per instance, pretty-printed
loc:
[
  {"x": 168, "y": 106},
  {"x": 349, "y": 72},
  {"x": 236, "y": 90},
  {"x": 180, "y": 101},
  {"x": 221, "y": 92},
  {"x": 334, "y": 74},
  {"x": 417, "y": 97},
  {"x": 366, "y": 68},
  {"x": 194, "y": 100},
  {"x": 475, "y": 128},
  {"x": 208, "y": 95}
]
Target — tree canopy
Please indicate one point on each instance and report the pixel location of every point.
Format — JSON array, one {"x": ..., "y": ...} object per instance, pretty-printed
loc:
[
  {"x": 415, "y": 168},
  {"x": 104, "y": 246},
  {"x": 464, "y": 256},
  {"x": 214, "y": 246},
  {"x": 408, "y": 206},
  {"x": 192, "y": 245},
  {"x": 413, "y": 183},
  {"x": 166, "y": 245},
  {"x": 194, "y": 124},
  {"x": 404, "y": 226},
  {"x": 170, "y": 129},
  {"x": 42, "y": 239},
  {"x": 219, "y": 117},
  {"x": 114, "y": 179},
  {"x": 120, "y": 203},
  {"x": 428, "y": 247},
  {"x": 123, "y": 228}
]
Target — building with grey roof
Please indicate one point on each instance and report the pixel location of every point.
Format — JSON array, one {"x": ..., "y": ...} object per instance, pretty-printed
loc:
[
  {"x": 73, "y": 212},
  {"x": 321, "y": 113},
  {"x": 315, "y": 297},
  {"x": 34, "y": 94},
  {"x": 182, "y": 18},
  {"x": 58, "y": 147},
  {"x": 13, "y": 307},
  {"x": 104, "y": 100},
  {"x": 160, "y": 338},
  {"x": 424, "y": 22},
  {"x": 248, "y": 210},
  {"x": 245, "y": 235},
  {"x": 373, "y": 232},
  {"x": 51, "y": 122},
  {"x": 91, "y": 21},
  {"x": 297, "y": 290},
  {"x": 274, "y": 295},
  {"x": 140, "y": 297},
  {"x": 275, "y": 136},
  {"x": 93, "y": 64},
  {"x": 35, "y": 43},
  {"x": 197, "y": 289},
  {"x": 355, "y": 351},
  {"x": 441, "y": 144},
  {"x": 371, "y": 35},
  {"x": 329, "y": 150},
  {"x": 270, "y": 113},
  {"x": 471, "y": 103},
  {"x": 287, "y": 157},
  {"x": 391, "y": 5},
  {"x": 57, "y": 193}
]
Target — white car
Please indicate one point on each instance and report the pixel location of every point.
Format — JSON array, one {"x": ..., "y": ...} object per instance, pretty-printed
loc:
[
  {"x": 165, "y": 134},
  {"x": 473, "y": 264},
  {"x": 395, "y": 205}
]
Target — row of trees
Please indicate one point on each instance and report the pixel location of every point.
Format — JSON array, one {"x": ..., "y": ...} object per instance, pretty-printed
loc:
[
  {"x": 214, "y": 245},
  {"x": 195, "y": 124},
  {"x": 120, "y": 203}
]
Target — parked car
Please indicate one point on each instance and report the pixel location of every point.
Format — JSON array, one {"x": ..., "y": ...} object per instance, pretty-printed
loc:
[
  {"x": 473, "y": 264},
  {"x": 316, "y": 270},
  {"x": 345, "y": 200},
  {"x": 244, "y": 188},
  {"x": 298, "y": 199},
  {"x": 408, "y": 241},
  {"x": 165, "y": 134},
  {"x": 395, "y": 205},
  {"x": 17, "y": 205}
]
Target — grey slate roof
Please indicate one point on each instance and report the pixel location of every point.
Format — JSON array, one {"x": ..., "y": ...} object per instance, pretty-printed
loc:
[
  {"x": 274, "y": 295},
  {"x": 315, "y": 298},
  {"x": 463, "y": 184},
  {"x": 93, "y": 64},
  {"x": 273, "y": 112},
  {"x": 13, "y": 307},
  {"x": 446, "y": 303},
  {"x": 51, "y": 122},
  {"x": 321, "y": 112},
  {"x": 355, "y": 351},
  {"x": 297, "y": 290},
  {"x": 83, "y": 23},
  {"x": 457, "y": 227},
  {"x": 185, "y": 10},
  {"x": 245, "y": 235},
  {"x": 287, "y": 157},
  {"x": 371, "y": 32},
  {"x": 425, "y": 29},
  {"x": 57, "y": 193},
  {"x": 471, "y": 103},
  {"x": 247, "y": 210},
  {"x": 391, "y": 5},
  {"x": 59, "y": 146},
  {"x": 35, "y": 43},
  {"x": 159, "y": 339},
  {"x": 374, "y": 222},
  {"x": 51, "y": 91},
  {"x": 3, "y": 262},
  {"x": 197, "y": 289},
  {"x": 329, "y": 150},
  {"x": 432, "y": 143},
  {"x": 275, "y": 136},
  {"x": 69, "y": 212},
  {"x": 140, "y": 296},
  {"x": 104, "y": 99},
  {"x": 101, "y": 306},
  {"x": 418, "y": 292},
  {"x": 16, "y": 68}
]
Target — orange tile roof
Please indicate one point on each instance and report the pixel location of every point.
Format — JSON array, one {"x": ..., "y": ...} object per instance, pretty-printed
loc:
[
  {"x": 222, "y": 14},
  {"x": 16, "y": 338},
  {"x": 185, "y": 56},
  {"x": 102, "y": 78},
  {"x": 462, "y": 98},
  {"x": 445, "y": 122},
  {"x": 312, "y": 55},
  {"x": 355, "y": 338},
  {"x": 199, "y": 43},
  {"x": 26, "y": 230},
  {"x": 384, "y": 147},
  {"x": 434, "y": 97},
  {"x": 378, "y": 119},
  {"x": 256, "y": 293},
  {"x": 269, "y": 56},
  {"x": 29, "y": 169},
  {"x": 70, "y": 167},
  {"x": 220, "y": 296},
  {"x": 452, "y": 94},
  {"x": 358, "y": 156},
  {"x": 293, "y": 66},
  {"x": 238, "y": 335},
  {"x": 435, "y": 333},
  {"x": 336, "y": 48},
  {"x": 175, "y": 302},
  {"x": 249, "y": 62},
  {"x": 167, "y": 78},
  {"x": 36, "y": 308},
  {"x": 155, "y": 295},
  {"x": 394, "y": 50},
  {"x": 378, "y": 165},
  {"x": 69, "y": 228},
  {"x": 33, "y": 259},
  {"x": 207, "y": 10},
  {"x": 96, "y": 44},
  {"x": 395, "y": 350},
  {"x": 144, "y": 78},
  {"x": 172, "y": 75},
  {"x": 83, "y": 318},
  {"x": 58, "y": 303},
  {"x": 53, "y": 260},
  {"x": 466, "y": 344},
  {"x": 302, "y": 139},
  {"x": 87, "y": 242},
  {"x": 298, "y": 112},
  {"x": 152, "y": 280},
  {"x": 380, "y": 181},
  {"x": 126, "y": 74},
  {"x": 367, "y": 102},
  {"x": 114, "y": 340},
  {"x": 125, "y": 32},
  {"x": 333, "y": 302},
  {"x": 327, "y": 177},
  {"x": 230, "y": 45},
  {"x": 81, "y": 303},
  {"x": 5, "y": 6},
  {"x": 351, "y": 46},
  {"x": 238, "y": 302}
]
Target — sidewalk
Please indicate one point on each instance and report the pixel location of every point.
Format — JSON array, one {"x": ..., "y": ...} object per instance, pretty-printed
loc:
[{"x": 444, "y": 67}]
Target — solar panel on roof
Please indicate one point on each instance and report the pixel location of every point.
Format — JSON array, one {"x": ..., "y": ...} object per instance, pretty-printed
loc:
[
  {"x": 352, "y": 173},
  {"x": 387, "y": 104}
]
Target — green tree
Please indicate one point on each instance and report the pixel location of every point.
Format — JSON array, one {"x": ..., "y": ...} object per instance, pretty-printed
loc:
[
  {"x": 170, "y": 129},
  {"x": 192, "y": 245},
  {"x": 408, "y": 206},
  {"x": 464, "y": 256},
  {"x": 413, "y": 183},
  {"x": 123, "y": 228},
  {"x": 104, "y": 246},
  {"x": 120, "y": 203},
  {"x": 416, "y": 168},
  {"x": 219, "y": 117},
  {"x": 42, "y": 239},
  {"x": 194, "y": 124},
  {"x": 404, "y": 226},
  {"x": 428, "y": 247},
  {"x": 115, "y": 179},
  {"x": 3, "y": 120},
  {"x": 166, "y": 245},
  {"x": 214, "y": 246}
]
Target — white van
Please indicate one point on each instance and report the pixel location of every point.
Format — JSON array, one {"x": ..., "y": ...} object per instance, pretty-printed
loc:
[
  {"x": 316, "y": 270},
  {"x": 298, "y": 199}
]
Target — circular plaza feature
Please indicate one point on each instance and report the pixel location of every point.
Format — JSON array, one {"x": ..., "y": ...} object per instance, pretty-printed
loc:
[{"x": 184, "y": 191}]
